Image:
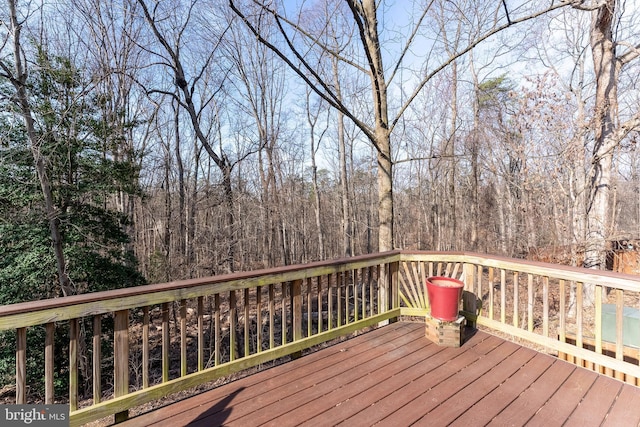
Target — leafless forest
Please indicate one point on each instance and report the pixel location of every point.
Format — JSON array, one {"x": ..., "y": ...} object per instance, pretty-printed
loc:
[{"x": 264, "y": 133}]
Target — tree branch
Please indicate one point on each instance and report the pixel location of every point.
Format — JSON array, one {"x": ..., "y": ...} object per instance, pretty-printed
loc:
[
  {"x": 629, "y": 126},
  {"x": 316, "y": 41},
  {"x": 323, "y": 91},
  {"x": 630, "y": 55},
  {"x": 409, "y": 41},
  {"x": 466, "y": 50}
]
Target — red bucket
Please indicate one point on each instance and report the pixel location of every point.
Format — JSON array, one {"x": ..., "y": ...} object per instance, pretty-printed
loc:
[{"x": 444, "y": 297}]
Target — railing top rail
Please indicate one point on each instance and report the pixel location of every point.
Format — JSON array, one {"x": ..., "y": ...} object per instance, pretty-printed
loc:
[
  {"x": 189, "y": 288},
  {"x": 558, "y": 271},
  {"x": 108, "y": 301}
]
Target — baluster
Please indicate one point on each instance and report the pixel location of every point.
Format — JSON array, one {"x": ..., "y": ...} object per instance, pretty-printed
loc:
[
  {"x": 259, "y": 318},
  {"x": 233, "y": 317},
  {"x": 166, "y": 337},
  {"x": 530, "y": 302},
  {"x": 598, "y": 324},
  {"x": 619, "y": 329},
  {"x": 320, "y": 303},
  {"x": 145, "y": 347},
  {"x": 503, "y": 296},
  {"x": 247, "y": 323},
  {"x": 21, "y": 366},
  {"x": 183, "y": 338},
  {"x": 73, "y": 363},
  {"x": 516, "y": 299},
  {"x": 364, "y": 279},
  {"x": 372, "y": 294},
  {"x": 339, "y": 284},
  {"x": 309, "y": 289},
  {"x": 120, "y": 358},
  {"x": 200, "y": 333},
  {"x": 579, "y": 318},
  {"x": 356, "y": 314},
  {"x": 491, "y": 291},
  {"x": 283, "y": 312},
  {"x": 97, "y": 359},
  {"x": 49, "y": 352},
  {"x": 296, "y": 291},
  {"x": 329, "y": 303},
  {"x": 217, "y": 331},
  {"x": 272, "y": 314}
]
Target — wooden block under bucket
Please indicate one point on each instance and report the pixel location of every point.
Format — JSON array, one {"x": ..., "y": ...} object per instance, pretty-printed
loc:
[{"x": 445, "y": 334}]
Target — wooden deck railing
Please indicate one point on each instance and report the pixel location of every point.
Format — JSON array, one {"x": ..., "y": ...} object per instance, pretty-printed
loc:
[
  {"x": 131, "y": 346},
  {"x": 128, "y": 347},
  {"x": 541, "y": 303}
]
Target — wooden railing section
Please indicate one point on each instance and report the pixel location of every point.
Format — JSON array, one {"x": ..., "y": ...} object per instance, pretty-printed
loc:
[
  {"x": 132, "y": 346},
  {"x": 542, "y": 304}
]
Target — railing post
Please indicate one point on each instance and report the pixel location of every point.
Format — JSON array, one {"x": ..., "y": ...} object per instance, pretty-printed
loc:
[
  {"x": 296, "y": 308},
  {"x": 469, "y": 297},
  {"x": 97, "y": 359},
  {"x": 183, "y": 337},
  {"x": 121, "y": 358},
  {"x": 21, "y": 366},
  {"x": 388, "y": 288},
  {"x": 468, "y": 271},
  {"x": 49, "y": 355},
  {"x": 165, "y": 342},
  {"x": 74, "y": 331},
  {"x": 296, "y": 293},
  {"x": 394, "y": 269}
]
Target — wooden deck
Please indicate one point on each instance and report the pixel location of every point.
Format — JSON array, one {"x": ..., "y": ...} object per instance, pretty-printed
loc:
[{"x": 395, "y": 376}]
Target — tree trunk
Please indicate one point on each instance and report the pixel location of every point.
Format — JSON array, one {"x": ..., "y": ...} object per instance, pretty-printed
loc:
[
  {"x": 344, "y": 183},
  {"x": 449, "y": 153},
  {"x": 475, "y": 154},
  {"x": 382, "y": 135},
  {"x": 312, "y": 121},
  {"x": 182, "y": 228},
  {"x": 605, "y": 141},
  {"x": 19, "y": 81}
]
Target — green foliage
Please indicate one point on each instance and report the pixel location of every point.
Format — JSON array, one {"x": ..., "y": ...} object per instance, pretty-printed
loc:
[
  {"x": 494, "y": 92},
  {"x": 87, "y": 171},
  {"x": 85, "y": 176}
]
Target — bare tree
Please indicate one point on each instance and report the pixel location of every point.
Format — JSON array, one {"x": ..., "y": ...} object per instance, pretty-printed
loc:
[
  {"x": 365, "y": 15},
  {"x": 313, "y": 114},
  {"x": 186, "y": 94},
  {"x": 609, "y": 129},
  {"x": 260, "y": 83}
]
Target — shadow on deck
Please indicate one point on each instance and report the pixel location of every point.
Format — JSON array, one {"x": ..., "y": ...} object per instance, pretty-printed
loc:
[{"x": 395, "y": 376}]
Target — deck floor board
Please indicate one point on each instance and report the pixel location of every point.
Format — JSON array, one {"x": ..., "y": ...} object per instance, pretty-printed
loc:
[
  {"x": 395, "y": 376},
  {"x": 493, "y": 403}
]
